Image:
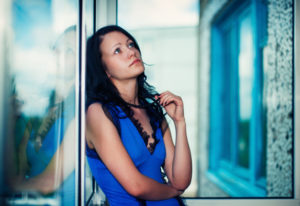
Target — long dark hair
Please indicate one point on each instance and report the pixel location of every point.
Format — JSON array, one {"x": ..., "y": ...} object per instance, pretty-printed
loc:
[{"x": 100, "y": 88}]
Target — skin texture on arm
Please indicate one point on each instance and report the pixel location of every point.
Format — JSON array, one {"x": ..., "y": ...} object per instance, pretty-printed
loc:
[
  {"x": 178, "y": 162},
  {"x": 103, "y": 136}
]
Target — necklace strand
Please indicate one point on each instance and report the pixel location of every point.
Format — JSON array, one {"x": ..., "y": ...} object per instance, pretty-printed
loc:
[{"x": 141, "y": 105}]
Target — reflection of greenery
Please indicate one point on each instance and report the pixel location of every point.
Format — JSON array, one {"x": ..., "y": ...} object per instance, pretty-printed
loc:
[
  {"x": 43, "y": 124},
  {"x": 31, "y": 123},
  {"x": 38, "y": 124},
  {"x": 13, "y": 86},
  {"x": 51, "y": 103},
  {"x": 243, "y": 143}
]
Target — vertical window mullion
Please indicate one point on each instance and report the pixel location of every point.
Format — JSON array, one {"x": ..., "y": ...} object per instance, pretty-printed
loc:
[
  {"x": 255, "y": 136},
  {"x": 257, "y": 94},
  {"x": 217, "y": 132},
  {"x": 80, "y": 100},
  {"x": 235, "y": 93},
  {"x": 255, "y": 120}
]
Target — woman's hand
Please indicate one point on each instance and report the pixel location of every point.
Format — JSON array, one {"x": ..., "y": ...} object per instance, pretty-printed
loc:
[
  {"x": 178, "y": 161},
  {"x": 173, "y": 105}
]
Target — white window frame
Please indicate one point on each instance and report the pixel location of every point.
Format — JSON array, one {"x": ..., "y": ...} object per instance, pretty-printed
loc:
[{"x": 105, "y": 14}]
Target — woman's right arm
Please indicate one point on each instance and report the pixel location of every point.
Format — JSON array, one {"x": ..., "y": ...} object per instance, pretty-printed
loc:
[{"x": 103, "y": 136}]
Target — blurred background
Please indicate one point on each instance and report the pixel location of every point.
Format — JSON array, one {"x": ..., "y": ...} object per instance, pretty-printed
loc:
[{"x": 232, "y": 62}]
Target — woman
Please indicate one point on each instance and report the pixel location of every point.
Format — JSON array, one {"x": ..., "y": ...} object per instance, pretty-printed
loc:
[
  {"x": 128, "y": 139},
  {"x": 44, "y": 156}
]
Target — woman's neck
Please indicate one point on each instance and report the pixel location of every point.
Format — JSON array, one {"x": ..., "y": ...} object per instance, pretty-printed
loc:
[{"x": 128, "y": 90}]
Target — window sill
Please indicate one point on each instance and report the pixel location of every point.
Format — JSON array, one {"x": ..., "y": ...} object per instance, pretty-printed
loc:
[
  {"x": 234, "y": 186},
  {"x": 244, "y": 202}
]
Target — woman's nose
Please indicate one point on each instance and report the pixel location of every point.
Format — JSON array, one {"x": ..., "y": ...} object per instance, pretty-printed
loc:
[{"x": 130, "y": 52}]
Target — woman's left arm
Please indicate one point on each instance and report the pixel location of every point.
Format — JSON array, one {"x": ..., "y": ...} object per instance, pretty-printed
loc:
[{"x": 178, "y": 162}]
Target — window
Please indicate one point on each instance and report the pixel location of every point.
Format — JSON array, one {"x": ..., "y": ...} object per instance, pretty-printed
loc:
[
  {"x": 228, "y": 21},
  {"x": 42, "y": 68},
  {"x": 237, "y": 127},
  {"x": 40, "y": 117}
]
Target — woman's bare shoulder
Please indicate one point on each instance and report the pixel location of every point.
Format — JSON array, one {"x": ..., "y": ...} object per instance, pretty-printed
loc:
[
  {"x": 97, "y": 121},
  {"x": 95, "y": 110}
]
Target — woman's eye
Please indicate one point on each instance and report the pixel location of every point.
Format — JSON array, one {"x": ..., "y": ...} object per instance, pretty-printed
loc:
[
  {"x": 117, "y": 51},
  {"x": 131, "y": 45}
]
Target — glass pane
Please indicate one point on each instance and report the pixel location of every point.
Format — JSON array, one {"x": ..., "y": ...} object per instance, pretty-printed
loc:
[
  {"x": 42, "y": 65},
  {"x": 89, "y": 28},
  {"x": 226, "y": 96},
  {"x": 246, "y": 73},
  {"x": 167, "y": 34}
]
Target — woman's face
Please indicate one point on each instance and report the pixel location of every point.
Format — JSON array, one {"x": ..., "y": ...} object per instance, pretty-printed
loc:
[{"x": 120, "y": 56}]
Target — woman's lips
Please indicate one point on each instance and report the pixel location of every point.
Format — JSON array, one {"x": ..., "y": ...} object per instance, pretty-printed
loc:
[{"x": 135, "y": 61}]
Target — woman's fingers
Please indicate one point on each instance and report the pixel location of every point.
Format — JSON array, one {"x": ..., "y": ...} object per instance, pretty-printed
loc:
[
  {"x": 167, "y": 97},
  {"x": 173, "y": 105}
]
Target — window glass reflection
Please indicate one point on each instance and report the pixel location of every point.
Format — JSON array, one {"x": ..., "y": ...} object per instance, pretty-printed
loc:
[
  {"x": 245, "y": 90},
  {"x": 242, "y": 172},
  {"x": 42, "y": 67}
]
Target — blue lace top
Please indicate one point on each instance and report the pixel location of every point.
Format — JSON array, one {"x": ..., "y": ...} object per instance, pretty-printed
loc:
[{"x": 148, "y": 163}]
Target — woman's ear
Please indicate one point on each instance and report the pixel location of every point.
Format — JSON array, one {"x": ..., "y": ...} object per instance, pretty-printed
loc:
[{"x": 108, "y": 74}]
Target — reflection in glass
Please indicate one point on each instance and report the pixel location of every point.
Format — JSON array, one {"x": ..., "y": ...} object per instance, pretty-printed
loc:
[
  {"x": 227, "y": 128},
  {"x": 43, "y": 57},
  {"x": 245, "y": 90}
]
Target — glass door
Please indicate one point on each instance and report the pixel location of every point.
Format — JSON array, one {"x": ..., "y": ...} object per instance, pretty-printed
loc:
[{"x": 39, "y": 137}]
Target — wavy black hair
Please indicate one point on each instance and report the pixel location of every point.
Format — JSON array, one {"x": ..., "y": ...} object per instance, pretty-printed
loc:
[{"x": 100, "y": 88}]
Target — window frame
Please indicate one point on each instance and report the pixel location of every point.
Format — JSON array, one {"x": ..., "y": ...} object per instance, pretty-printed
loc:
[
  {"x": 224, "y": 172},
  {"x": 104, "y": 13},
  {"x": 295, "y": 201}
]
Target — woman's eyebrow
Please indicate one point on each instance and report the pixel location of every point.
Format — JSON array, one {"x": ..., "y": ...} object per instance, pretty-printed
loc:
[{"x": 116, "y": 45}]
